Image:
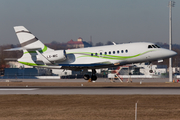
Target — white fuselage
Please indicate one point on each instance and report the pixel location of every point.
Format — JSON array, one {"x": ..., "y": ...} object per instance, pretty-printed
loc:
[{"x": 119, "y": 54}]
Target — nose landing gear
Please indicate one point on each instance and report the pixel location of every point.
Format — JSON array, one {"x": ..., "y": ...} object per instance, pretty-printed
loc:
[{"x": 150, "y": 65}]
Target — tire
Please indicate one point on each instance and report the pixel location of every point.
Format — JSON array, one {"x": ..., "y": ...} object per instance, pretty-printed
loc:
[
  {"x": 94, "y": 78},
  {"x": 86, "y": 77}
]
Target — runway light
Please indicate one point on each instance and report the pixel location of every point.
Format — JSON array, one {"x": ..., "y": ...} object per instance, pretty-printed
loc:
[{"x": 140, "y": 82}]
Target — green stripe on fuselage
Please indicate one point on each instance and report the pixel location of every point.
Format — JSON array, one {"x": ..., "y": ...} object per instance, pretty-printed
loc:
[{"x": 103, "y": 56}]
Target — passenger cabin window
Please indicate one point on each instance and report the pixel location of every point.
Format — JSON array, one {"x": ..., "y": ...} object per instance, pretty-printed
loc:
[
  {"x": 114, "y": 52},
  {"x": 118, "y": 51},
  {"x": 126, "y": 51},
  {"x": 122, "y": 51},
  {"x": 100, "y": 53},
  {"x": 109, "y": 52},
  {"x": 105, "y": 53},
  {"x": 91, "y": 54},
  {"x": 95, "y": 54}
]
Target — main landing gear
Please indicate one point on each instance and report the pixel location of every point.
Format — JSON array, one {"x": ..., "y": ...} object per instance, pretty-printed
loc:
[{"x": 93, "y": 76}]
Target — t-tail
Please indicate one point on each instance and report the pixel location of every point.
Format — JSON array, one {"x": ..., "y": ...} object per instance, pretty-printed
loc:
[
  {"x": 35, "y": 53},
  {"x": 29, "y": 42},
  {"x": 33, "y": 48}
]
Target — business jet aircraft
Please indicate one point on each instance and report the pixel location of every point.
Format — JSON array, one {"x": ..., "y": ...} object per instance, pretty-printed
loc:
[{"x": 35, "y": 53}]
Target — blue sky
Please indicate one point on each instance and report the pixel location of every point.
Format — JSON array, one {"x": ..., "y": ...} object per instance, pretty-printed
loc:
[{"x": 105, "y": 20}]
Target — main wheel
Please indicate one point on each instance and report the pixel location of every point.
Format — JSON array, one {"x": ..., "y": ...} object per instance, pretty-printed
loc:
[
  {"x": 93, "y": 77},
  {"x": 86, "y": 77}
]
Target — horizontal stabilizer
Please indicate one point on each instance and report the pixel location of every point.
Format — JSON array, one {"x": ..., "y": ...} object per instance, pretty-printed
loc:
[{"x": 22, "y": 48}]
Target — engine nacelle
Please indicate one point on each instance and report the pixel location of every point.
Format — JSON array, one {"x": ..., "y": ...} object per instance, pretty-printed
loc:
[{"x": 59, "y": 55}]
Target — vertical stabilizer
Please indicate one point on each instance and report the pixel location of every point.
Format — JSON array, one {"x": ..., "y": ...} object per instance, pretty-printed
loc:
[{"x": 27, "y": 39}]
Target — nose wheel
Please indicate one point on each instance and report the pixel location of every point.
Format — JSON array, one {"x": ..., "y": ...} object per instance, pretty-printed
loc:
[{"x": 150, "y": 65}]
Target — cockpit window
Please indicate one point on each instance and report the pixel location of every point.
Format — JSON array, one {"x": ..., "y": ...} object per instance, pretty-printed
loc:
[
  {"x": 157, "y": 46},
  {"x": 149, "y": 46},
  {"x": 154, "y": 46}
]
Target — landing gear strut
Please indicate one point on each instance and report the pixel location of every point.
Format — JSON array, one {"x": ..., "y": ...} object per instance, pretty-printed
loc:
[
  {"x": 93, "y": 76},
  {"x": 150, "y": 65}
]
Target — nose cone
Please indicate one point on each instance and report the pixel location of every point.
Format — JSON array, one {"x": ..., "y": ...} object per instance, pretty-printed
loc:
[
  {"x": 163, "y": 53},
  {"x": 171, "y": 53}
]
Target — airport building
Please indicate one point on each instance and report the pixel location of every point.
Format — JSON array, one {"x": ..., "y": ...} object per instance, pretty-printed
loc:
[{"x": 78, "y": 44}]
